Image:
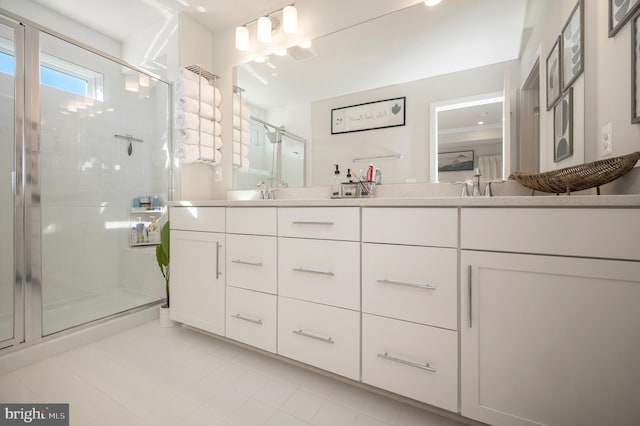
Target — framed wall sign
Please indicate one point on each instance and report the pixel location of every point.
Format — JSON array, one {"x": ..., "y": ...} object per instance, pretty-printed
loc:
[
  {"x": 554, "y": 75},
  {"x": 572, "y": 56},
  {"x": 635, "y": 69},
  {"x": 563, "y": 127},
  {"x": 369, "y": 116},
  {"x": 620, "y": 11},
  {"x": 455, "y": 161}
]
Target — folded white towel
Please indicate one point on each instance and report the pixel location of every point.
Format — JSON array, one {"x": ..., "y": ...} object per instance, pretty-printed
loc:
[
  {"x": 211, "y": 127},
  {"x": 241, "y": 109},
  {"x": 187, "y": 120},
  {"x": 240, "y": 123},
  {"x": 241, "y": 160},
  {"x": 189, "y": 88},
  {"x": 243, "y": 137},
  {"x": 205, "y": 110},
  {"x": 193, "y": 137},
  {"x": 186, "y": 153},
  {"x": 192, "y": 76},
  {"x": 241, "y": 149}
]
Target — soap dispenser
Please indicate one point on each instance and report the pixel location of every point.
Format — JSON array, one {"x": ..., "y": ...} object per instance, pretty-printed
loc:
[
  {"x": 336, "y": 184},
  {"x": 350, "y": 188}
]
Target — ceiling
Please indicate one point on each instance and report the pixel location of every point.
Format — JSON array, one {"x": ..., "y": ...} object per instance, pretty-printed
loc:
[{"x": 120, "y": 19}]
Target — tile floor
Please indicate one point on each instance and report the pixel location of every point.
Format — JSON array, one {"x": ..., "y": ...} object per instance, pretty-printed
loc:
[{"x": 177, "y": 376}]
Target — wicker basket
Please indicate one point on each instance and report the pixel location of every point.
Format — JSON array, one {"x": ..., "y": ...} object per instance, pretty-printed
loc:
[{"x": 578, "y": 178}]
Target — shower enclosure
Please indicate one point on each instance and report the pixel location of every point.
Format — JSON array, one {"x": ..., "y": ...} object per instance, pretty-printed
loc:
[
  {"x": 276, "y": 155},
  {"x": 68, "y": 180}
]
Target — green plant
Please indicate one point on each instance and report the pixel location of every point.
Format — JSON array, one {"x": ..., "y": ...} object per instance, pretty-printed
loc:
[{"x": 162, "y": 256}]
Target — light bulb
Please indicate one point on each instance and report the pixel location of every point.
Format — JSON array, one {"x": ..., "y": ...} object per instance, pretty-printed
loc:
[
  {"x": 290, "y": 19},
  {"x": 264, "y": 29},
  {"x": 242, "y": 38}
]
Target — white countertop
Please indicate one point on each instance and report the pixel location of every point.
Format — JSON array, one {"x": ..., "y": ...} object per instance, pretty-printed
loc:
[{"x": 505, "y": 201}]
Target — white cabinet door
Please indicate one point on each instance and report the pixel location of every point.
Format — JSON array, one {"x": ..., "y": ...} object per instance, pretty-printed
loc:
[
  {"x": 197, "y": 279},
  {"x": 549, "y": 340},
  {"x": 320, "y": 271},
  {"x": 252, "y": 262},
  {"x": 319, "y": 335},
  {"x": 251, "y": 318},
  {"x": 418, "y": 284},
  {"x": 413, "y": 360}
]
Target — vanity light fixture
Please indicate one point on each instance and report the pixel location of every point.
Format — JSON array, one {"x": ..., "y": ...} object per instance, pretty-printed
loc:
[
  {"x": 432, "y": 2},
  {"x": 268, "y": 24}
]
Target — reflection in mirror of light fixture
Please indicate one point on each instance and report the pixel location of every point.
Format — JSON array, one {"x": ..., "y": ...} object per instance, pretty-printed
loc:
[
  {"x": 432, "y": 2},
  {"x": 281, "y": 52},
  {"x": 264, "y": 29},
  {"x": 305, "y": 44},
  {"x": 290, "y": 19},
  {"x": 242, "y": 38},
  {"x": 131, "y": 83}
]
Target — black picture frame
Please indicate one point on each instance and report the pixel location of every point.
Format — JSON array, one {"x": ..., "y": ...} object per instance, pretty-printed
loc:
[
  {"x": 554, "y": 75},
  {"x": 620, "y": 15},
  {"x": 456, "y": 161},
  {"x": 635, "y": 68},
  {"x": 572, "y": 46},
  {"x": 374, "y": 115},
  {"x": 563, "y": 127}
]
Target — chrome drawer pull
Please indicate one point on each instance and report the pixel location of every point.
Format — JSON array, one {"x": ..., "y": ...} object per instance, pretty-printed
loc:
[
  {"x": 422, "y": 286},
  {"x": 311, "y": 222},
  {"x": 244, "y": 262},
  {"x": 311, "y": 271},
  {"x": 218, "y": 247},
  {"x": 240, "y": 317},
  {"x": 405, "y": 362},
  {"x": 322, "y": 339}
]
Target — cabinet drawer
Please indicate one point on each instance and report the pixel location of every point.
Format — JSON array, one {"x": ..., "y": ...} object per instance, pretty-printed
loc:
[
  {"x": 416, "y": 284},
  {"x": 413, "y": 226},
  {"x": 333, "y": 223},
  {"x": 322, "y": 336},
  {"x": 207, "y": 219},
  {"x": 252, "y": 262},
  {"x": 252, "y": 220},
  {"x": 251, "y": 318},
  {"x": 413, "y": 360},
  {"x": 607, "y": 233},
  {"x": 320, "y": 271}
]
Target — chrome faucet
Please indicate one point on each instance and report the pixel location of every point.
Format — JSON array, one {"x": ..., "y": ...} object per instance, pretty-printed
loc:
[
  {"x": 265, "y": 192},
  {"x": 476, "y": 183}
]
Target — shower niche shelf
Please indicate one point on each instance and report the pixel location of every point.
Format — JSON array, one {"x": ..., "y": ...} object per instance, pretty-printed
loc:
[{"x": 142, "y": 215}]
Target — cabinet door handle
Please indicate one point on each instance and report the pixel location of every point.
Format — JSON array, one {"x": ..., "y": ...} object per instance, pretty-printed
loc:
[
  {"x": 312, "y": 222},
  {"x": 240, "y": 317},
  {"x": 422, "y": 286},
  {"x": 312, "y": 271},
  {"x": 218, "y": 273},
  {"x": 313, "y": 336},
  {"x": 470, "y": 301},
  {"x": 406, "y": 362},
  {"x": 244, "y": 262}
]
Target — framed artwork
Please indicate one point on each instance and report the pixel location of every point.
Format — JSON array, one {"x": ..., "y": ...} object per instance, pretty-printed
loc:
[
  {"x": 554, "y": 75},
  {"x": 635, "y": 69},
  {"x": 620, "y": 11},
  {"x": 455, "y": 161},
  {"x": 563, "y": 127},
  {"x": 572, "y": 46},
  {"x": 368, "y": 116}
]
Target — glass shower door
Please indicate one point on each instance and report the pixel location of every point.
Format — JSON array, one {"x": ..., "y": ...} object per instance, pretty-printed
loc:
[
  {"x": 89, "y": 174},
  {"x": 11, "y": 65}
]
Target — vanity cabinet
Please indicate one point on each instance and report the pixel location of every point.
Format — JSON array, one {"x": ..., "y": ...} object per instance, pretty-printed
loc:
[
  {"x": 197, "y": 267},
  {"x": 409, "y": 302},
  {"x": 319, "y": 287},
  {"x": 252, "y": 285},
  {"x": 549, "y": 339}
]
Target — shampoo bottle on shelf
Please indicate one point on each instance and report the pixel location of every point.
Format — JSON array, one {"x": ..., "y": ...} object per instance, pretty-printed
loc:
[{"x": 336, "y": 184}]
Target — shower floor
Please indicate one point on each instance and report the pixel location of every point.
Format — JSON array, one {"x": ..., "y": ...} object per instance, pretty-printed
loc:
[{"x": 89, "y": 308}]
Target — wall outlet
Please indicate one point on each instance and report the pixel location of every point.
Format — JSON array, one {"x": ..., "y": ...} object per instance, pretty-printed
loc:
[{"x": 606, "y": 140}]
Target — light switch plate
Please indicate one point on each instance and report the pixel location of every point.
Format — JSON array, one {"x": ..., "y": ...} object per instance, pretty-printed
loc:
[{"x": 606, "y": 140}]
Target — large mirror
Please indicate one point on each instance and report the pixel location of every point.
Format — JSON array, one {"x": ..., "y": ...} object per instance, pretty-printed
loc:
[{"x": 432, "y": 57}]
